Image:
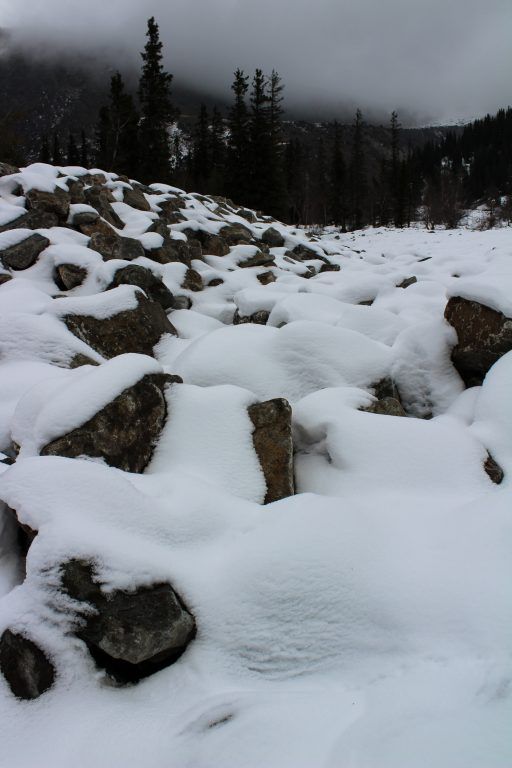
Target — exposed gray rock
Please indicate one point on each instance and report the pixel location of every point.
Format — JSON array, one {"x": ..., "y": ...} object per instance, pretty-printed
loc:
[
  {"x": 133, "y": 330},
  {"x": 124, "y": 433},
  {"x": 56, "y": 202},
  {"x": 84, "y": 217},
  {"x": 303, "y": 253},
  {"x": 235, "y": 234},
  {"x": 69, "y": 276},
  {"x": 483, "y": 336},
  {"x": 494, "y": 470},
  {"x": 388, "y": 406},
  {"x": 273, "y": 238},
  {"x": 6, "y": 169},
  {"x": 101, "y": 198},
  {"x": 25, "y": 666},
  {"x": 113, "y": 246},
  {"x": 192, "y": 280},
  {"x": 215, "y": 281},
  {"x": 135, "y": 198},
  {"x": 260, "y": 318},
  {"x": 385, "y": 388},
  {"x": 145, "y": 279},
  {"x": 181, "y": 302},
  {"x": 246, "y": 214},
  {"x": 131, "y": 634},
  {"x": 407, "y": 282},
  {"x": 24, "y": 254},
  {"x": 4, "y": 278},
  {"x": 32, "y": 220},
  {"x": 329, "y": 267},
  {"x": 272, "y": 439},
  {"x": 266, "y": 278}
]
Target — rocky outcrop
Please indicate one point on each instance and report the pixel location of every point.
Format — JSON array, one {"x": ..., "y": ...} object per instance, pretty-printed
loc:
[
  {"x": 272, "y": 439},
  {"x": 124, "y": 433},
  {"x": 145, "y": 279},
  {"x": 25, "y": 666},
  {"x": 483, "y": 336},
  {"x": 133, "y": 330},
  {"x": 24, "y": 254},
  {"x": 69, "y": 276},
  {"x": 132, "y": 634}
]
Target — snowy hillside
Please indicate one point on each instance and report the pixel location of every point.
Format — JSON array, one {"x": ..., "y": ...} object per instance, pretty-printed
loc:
[{"x": 255, "y": 483}]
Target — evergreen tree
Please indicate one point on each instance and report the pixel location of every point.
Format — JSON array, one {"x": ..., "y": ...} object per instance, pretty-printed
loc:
[
  {"x": 276, "y": 196},
  {"x": 260, "y": 141},
  {"x": 73, "y": 156},
  {"x": 56, "y": 154},
  {"x": 201, "y": 158},
  {"x": 237, "y": 166},
  {"x": 44, "y": 152},
  {"x": 157, "y": 110},
  {"x": 217, "y": 154},
  {"x": 397, "y": 174},
  {"x": 123, "y": 127},
  {"x": 103, "y": 139},
  {"x": 337, "y": 208},
  {"x": 84, "y": 151},
  {"x": 357, "y": 173}
]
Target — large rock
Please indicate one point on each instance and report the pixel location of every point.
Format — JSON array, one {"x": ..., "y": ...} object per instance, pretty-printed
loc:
[
  {"x": 135, "y": 198},
  {"x": 69, "y": 276},
  {"x": 101, "y": 198},
  {"x": 260, "y": 317},
  {"x": 56, "y": 202},
  {"x": 124, "y": 433},
  {"x": 23, "y": 255},
  {"x": 132, "y": 330},
  {"x": 483, "y": 336},
  {"x": 192, "y": 280},
  {"x": 258, "y": 259},
  {"x": 130, "y": 634},
  {"x": 32, "y": 220},
  {"x": 235, "y": 234},
  {"x": 272, "y": 439},
  {"x": 145, "y": 279},
  {"x": 113, "y": 246},
  {"x": 388, "y": 406},
  {"x": 273, "y": 238},
  {"x": 25, "y": 666}
]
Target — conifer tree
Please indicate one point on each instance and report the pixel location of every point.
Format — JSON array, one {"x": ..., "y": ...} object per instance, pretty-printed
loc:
[
  {"x": 157, "y": 110},
  {"x": 357, "y": 173},
  {"x": 260, "y": 141},
  {"x": 103, "y": 139},
  {"x": 338, "y": 209},
  {"x": 276, "y": 195},
  {"x": 123, "y": 127},
  {"x": 56, "y": 154},
  {"x": 201, "y": 158},
  {"x": 84, "y": 151},
  {"x": 44, "y": 152},
  {"x": 237, "y": 166},
  {"x": 217, "y": 153},
  {"x": 73, "y": 156}
]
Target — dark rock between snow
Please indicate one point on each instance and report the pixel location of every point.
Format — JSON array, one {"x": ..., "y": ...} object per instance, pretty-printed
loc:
[
  {"x": 388, "y": 406},
  {"x": 260, "y": 318},
  {"x": 84, "y": 217},
  {"x": 181, "y": 302},
  {"x": 265, "y": 278},
  {"x": 23, "y": 255},
  {"x": 303, "y": 253},
  {"x": 133, "y": 330},
  {"x": 124, "y": 433},
  {"x": 272, "y": 440},
  {"x": 4, "y": 278},
  {"x": 145, "y": 279},
  {"x": 69, "y": 276},
  {"x": 259, "y": 259},
  {"x": 32, "y": 220},
  {"x": 7, "y": 170},
  {"x": 131, "y": 634},
  {"x": 494, "y": 470},
  {"x": 236, "y": 234},
  {"x": 385, "y": 388},
  {"x": 483, "y": 336},
  {"x": 56, "y": 202},
  {"x": 114, "y": 246},
  {"x": 273, "y": 238},
  {"x": 25, "y": 666},
  {"x": 329, "y": 267},
  {"x": 407, "y": 282},
  {"x": 135, "y": 198},
  {"x": 192, "y": 280},
  {"x": 101, "y": 198}
]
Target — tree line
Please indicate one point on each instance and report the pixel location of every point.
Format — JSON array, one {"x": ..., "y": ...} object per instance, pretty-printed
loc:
[{"x": 247, "y": 156}]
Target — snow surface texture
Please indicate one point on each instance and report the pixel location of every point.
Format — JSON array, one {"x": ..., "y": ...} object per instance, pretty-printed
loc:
[{"x": 365, "y": 622}]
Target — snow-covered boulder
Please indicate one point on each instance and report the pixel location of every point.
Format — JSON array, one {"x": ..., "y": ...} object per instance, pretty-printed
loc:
[{"x": 23, "y": 253}]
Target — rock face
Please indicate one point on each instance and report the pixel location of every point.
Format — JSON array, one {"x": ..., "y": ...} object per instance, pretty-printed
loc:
[
  {"x": 145, "y": 279},
  {"x": 124, "y": 433},
  {"x": 23, "y": 255},
  {"x": 130, "y": 634},
  {"x": 25, "y": 666},
  {"x": 272, "y": 439},
  {"x": 133, "y": 330},
  {"x": 484, "y": 336}
]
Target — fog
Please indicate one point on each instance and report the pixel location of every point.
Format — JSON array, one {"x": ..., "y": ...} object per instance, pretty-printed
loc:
[{"x": 433, "y": 61}]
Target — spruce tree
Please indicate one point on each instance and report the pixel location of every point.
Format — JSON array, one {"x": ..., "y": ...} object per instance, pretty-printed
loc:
[
  {"x": 123, "y": 119},
  {"x": 276, "y": 196},
  {"x": 73, "y": 156},
  {"x": 217, "y": 153},
  {"x": 260, "y": 142},
  {"x": 84, "y": 151},
  {"x": 44, "y": 152},
  {"x": 338, "y": 209},
  {"x": 357, "y": 173},
  {"x": 237, "y": 166},
  {"x": 157, "y": 110},
  {"x": 201, "y": 158},
  {"x": 103, "y": 139},
  {"x": 56, "y": 154}
]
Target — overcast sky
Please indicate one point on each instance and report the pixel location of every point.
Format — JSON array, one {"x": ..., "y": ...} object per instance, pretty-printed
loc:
[{"x": 437, "y": 59}]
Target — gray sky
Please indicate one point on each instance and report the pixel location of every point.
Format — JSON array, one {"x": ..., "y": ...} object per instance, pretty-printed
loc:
[{"x": 436, "y": 59}]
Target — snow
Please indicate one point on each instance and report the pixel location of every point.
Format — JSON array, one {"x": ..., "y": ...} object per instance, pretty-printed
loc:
[{"x": 365, "y": 621}]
